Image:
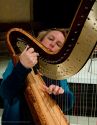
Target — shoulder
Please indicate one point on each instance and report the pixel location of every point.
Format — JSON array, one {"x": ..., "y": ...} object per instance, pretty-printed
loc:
[{"x": 8, "y": 69}]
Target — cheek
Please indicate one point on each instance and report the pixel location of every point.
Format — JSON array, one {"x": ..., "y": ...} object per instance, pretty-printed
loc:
[
  {"x": 45, "y": 43},
  {"x": 57, "y": 48}
]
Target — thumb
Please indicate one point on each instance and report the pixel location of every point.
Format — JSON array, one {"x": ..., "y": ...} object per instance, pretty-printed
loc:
[{"x": 26, "y": 48}]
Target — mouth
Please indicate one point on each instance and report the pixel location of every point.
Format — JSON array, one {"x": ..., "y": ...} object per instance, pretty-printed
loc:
[{"x": 49, "y": 49}]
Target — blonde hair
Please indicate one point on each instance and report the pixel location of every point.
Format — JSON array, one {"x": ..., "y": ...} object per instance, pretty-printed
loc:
[{"x": 42, "y": 34}]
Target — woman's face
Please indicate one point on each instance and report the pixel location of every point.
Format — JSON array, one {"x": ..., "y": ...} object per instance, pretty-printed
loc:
[{"x": 53, "y": 41}]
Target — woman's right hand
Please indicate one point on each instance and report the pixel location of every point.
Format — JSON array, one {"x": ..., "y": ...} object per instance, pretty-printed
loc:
[{"x": 28, "y": 57}]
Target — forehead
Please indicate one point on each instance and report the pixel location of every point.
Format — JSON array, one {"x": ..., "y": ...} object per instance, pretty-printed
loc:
[{"x": 56, "y": 33}]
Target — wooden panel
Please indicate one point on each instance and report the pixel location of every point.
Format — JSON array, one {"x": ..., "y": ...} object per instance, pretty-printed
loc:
[{"x": 15, "y": 11}]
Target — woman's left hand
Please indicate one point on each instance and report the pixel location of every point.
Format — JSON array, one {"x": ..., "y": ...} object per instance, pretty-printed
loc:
[{"x": 53, "y": 89}]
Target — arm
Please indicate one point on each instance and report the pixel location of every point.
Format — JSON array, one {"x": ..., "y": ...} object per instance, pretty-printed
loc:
[
  {"x": 14, "y": 77},
  {"x": 13, "y": 80}
]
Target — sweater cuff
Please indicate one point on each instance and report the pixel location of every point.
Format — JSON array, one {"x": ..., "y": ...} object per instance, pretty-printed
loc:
[{"x": 21, "y": 69}]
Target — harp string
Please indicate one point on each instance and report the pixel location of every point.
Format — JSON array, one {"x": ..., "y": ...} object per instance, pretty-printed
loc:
[
  {"x": 84, "y": 86},
  {"x": 49, "y": 82},
  {"x": 50, "y": 105}
]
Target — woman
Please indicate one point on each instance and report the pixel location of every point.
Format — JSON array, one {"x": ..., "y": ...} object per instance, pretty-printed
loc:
[{"x": 12, "y": 88}]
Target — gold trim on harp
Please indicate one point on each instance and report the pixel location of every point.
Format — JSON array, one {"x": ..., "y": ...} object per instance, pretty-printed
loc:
[{"x": 36, "y": 41}]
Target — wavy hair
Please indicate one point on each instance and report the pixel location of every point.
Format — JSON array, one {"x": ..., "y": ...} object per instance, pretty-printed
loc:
[{"x": 42, "y": 34}]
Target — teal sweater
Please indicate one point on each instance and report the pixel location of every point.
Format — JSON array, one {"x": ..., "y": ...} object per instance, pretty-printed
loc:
[{"x": 16, "y": 111}]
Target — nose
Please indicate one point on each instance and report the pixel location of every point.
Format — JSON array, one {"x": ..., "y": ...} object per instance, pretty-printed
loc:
[{"x": 52, "y": 44}]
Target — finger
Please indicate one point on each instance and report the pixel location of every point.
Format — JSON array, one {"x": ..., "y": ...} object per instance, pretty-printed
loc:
[
  {"x": 47, "y": 89},
  {"x": 61, "y": 90},
  {"x": 56, "y": 90},
  {"x": 34, "y": 54},
  {"x": 37, "y": 54},
  {"x": 33, "y": 60},
  {"x": 30, "y": 50},
  {"x": 25, "y": 49},
  {"x": 52, "y": 87}
]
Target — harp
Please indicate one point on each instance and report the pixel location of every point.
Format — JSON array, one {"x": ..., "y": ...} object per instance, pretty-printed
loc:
[{"x": 69, "y": 54}]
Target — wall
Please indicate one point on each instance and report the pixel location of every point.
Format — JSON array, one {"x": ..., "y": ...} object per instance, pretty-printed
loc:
[{"x": 15, "y": 11}]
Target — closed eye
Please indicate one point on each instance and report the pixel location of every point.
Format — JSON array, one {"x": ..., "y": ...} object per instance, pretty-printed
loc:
[
  {"x": 51, "y": 38},
  {"x": 59, "y": 44}
]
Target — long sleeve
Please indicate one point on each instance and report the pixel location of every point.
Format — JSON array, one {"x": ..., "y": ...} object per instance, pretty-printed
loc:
[
  {"x": 13, "y": 80},
  {"x": 68, "y": 95}
]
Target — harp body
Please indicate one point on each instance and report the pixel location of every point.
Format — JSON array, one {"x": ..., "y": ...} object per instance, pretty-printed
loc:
[{"x": 46, "y": 109}]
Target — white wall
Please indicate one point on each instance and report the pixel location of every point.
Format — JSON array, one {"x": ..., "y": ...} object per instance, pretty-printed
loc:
[{"x": 88, "y": 74}]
